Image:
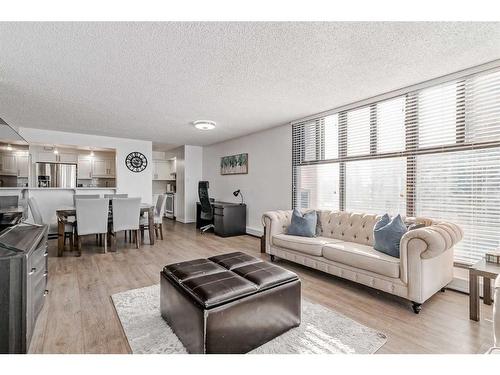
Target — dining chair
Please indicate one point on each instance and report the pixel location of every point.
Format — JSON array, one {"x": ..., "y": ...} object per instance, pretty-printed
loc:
[
  {"x": 69, "y": 226},
  {"x": 126, "y": 213},
  {"x": 112, "y": 196},
  {"x": 159, "y": 212},
  {"x": 85, "y": 196},
  {"x": 91, "y": 218}
]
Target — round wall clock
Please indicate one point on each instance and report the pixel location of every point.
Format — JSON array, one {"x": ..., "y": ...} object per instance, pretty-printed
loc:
[{"x": 136, "y": 162}]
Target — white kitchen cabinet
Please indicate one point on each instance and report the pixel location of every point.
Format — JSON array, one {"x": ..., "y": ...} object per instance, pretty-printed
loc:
[
  {"x": 161, "y": 170},
  {"x": 84, "y": 168},
  {"x": 8, "y": 165},
  {"x": 22, "y": 162},
  {"x": 112, "y": 167},
  {"x": 103, "y": 168},
  {"x": 63, "y": 157},
  {"x": 47, "y": 157}
]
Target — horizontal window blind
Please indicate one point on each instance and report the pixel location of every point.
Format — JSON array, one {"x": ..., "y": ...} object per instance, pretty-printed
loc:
[
  {"x": 319, "y": 185},
  {"x": 433, "y": 152},
  {"x": 376, "y": 186},
  {"x": 464, "y": 188},
  {"x": 390, "y": 125}
]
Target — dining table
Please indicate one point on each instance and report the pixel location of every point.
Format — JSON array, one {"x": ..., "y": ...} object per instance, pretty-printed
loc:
[{"x": 64, "y": 213}]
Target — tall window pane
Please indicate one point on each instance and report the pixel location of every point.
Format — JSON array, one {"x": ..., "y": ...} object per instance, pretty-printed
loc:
[
  {"x": 332, "y": 137},
  {"x": 482, "y": 108},
  {"x": 310, "y": 141},
  {"x": 464, "y": 188},
  {"x": 376, "y": 186},
  {"x": 358, "y": 132},
  {"x": 318, "y": 186},
  {"x": 437, "y": 116},
  {"x": 391, "y": 125}
]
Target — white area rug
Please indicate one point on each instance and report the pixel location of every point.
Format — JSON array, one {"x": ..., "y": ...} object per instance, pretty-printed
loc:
[{"x": 322, "y": 330}]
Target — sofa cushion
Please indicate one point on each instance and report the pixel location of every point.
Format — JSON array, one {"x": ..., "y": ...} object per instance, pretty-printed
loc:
[
  {"x": 362, "y": 256},
  {"x": 306, "y": 245},
  {"x": 387, "y": 233},
  {"x": 303, "y": 225}
]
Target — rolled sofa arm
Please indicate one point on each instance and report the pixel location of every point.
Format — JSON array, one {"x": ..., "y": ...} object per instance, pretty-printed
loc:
[
  {"x": 275, "y": 222},
  {"x": 432, "y": 240},
  {"x": 426, "y": 243}
]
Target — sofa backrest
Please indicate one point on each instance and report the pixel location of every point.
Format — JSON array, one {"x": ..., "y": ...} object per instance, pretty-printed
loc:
[
  {"x": 347, "y": 226},
  {"x": 355, "y": 227}
]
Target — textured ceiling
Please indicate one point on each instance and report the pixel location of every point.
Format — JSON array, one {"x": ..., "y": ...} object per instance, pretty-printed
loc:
[{"x": 150, "y": 80}]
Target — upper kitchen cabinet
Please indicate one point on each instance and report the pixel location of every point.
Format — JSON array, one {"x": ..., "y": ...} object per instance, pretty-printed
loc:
[
  {"x": 46, "y": 157},
  {"x": 84, "y": 170},
  {"x": 65, "y": 157},
  {"x": 103, "y": 167},
  {"x": 62, "y": 157},
  {"x": 22, "y": 162},
  {"x": 8, "y": 165},
  {"x": 14, "y": 159},
  {"x": 162, "y": 170}
]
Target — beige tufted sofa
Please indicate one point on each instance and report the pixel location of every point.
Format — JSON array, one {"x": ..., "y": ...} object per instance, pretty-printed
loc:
[{"x": 344, "y": 248}]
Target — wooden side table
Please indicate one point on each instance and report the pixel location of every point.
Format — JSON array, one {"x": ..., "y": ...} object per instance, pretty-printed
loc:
[{"x": 487, "y": 271}]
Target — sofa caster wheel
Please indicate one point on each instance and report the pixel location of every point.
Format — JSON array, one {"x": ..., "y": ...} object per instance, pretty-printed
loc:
[
  {"x": 443, "y": 290},
  {"x": 273, "y": 258},
  {"x": 416, "y": 307}
]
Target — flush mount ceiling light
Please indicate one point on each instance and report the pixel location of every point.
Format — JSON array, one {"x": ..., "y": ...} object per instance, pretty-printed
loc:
[{"x": 204, "y": 124}]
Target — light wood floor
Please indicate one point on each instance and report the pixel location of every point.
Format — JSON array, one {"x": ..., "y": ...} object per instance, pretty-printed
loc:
[{"x": 79, "y": 317}]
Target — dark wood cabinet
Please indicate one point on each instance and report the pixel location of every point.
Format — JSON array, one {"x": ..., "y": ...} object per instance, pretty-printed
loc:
[
  {"x": 23, "y": 284},
  {"x": 230, "y": 219}
]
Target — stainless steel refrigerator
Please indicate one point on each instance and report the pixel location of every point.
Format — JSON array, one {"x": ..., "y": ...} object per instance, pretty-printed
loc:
[{"x": 55, "y": 175}]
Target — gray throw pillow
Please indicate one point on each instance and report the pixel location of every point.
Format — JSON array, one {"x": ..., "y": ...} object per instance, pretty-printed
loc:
[
  {"x": 319, "y": 227},
  {"x": 387, "y": 234},
  {"x": 303, "y": 225}
]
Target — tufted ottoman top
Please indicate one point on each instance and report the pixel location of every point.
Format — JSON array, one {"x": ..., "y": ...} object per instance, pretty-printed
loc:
[{"x": 224, "y": 278}]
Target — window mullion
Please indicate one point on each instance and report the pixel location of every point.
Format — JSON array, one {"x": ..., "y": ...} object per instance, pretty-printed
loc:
[
  {"x": 411, "y": 144},
  {"x": 342, "y": 154}
]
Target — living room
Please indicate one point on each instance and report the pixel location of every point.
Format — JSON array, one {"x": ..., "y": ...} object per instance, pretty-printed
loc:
[{"x": 232, "y": 184}]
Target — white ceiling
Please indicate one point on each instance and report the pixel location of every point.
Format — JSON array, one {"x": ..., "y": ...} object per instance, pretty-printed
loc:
[{"x": 150, "y": 80}]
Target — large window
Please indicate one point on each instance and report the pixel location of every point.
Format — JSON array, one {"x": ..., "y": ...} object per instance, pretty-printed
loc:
[
  {"x": 379, "y": 184},
  {"x": 432, "y": 152}
]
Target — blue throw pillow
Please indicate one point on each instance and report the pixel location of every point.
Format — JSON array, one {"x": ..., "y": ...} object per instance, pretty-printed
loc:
[
  {"x": 303, "y": 225},
  {"x": 387, "y": 234}
]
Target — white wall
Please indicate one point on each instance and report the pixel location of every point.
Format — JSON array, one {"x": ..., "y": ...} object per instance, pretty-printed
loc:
[
  {"x": 178, "y": 154},
  {"x": 134, "y": 184},
  {"x": 188, "y": 166},
  {"x": 268, "y": 184},
  {"x": 193, "y": 173}
]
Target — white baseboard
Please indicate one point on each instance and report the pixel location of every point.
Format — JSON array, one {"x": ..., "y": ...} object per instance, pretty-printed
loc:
[
  {"x": 462, "y": 285},
  {"x": 255, "y": 232},
  {"x": 184, "y": 221}
]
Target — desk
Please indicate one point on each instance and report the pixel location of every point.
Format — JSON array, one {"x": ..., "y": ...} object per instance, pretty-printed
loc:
[
  {"x": 230, "y": 219},
  {"x": 487, "y": 271}
]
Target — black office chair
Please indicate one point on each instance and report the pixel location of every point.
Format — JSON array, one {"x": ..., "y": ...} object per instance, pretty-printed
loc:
[{"x": 207, "y": 211}]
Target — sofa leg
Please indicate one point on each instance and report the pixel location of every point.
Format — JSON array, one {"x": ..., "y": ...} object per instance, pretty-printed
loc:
[
  {"x": 272, "y": 258},
  {"x": 416, "y": 307}
]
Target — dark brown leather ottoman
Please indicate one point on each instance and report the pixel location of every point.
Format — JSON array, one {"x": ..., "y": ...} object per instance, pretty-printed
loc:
[{"x": 229, "y": 303}]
